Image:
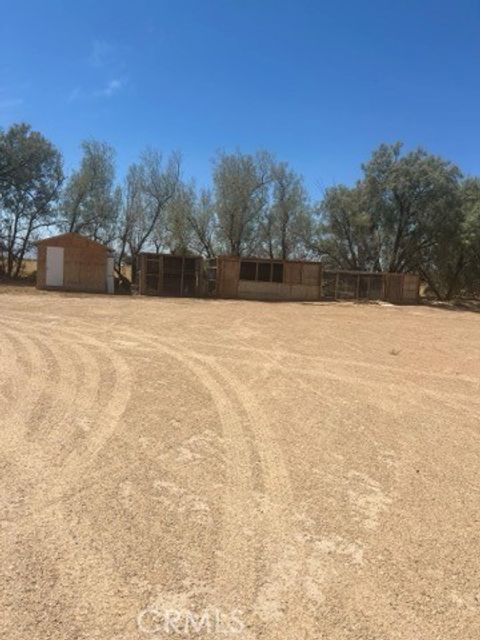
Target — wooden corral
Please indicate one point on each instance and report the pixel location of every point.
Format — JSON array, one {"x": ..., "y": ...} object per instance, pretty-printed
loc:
[
  {"x": 398, "y": 288},
  {"x": 72, "y": 262},
  {"x": 170, "y": 275},
  {"x": 264, "y": 279}
]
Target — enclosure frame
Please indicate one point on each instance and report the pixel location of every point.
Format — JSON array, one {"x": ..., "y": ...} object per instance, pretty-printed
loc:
[{"x": 157, "y": 273}]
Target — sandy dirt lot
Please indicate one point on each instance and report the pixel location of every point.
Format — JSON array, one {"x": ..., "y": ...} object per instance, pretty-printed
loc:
[{"x": 284, "y": 470}]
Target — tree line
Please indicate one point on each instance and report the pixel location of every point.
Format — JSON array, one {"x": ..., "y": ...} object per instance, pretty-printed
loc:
[{"x": 409, "y": 211}]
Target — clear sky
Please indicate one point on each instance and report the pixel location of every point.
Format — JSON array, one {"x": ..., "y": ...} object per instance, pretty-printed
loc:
[{"x": 320, "y": 84}]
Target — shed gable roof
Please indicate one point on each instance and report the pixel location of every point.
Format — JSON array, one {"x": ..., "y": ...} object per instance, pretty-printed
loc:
[{"x": 72, "y": 238}]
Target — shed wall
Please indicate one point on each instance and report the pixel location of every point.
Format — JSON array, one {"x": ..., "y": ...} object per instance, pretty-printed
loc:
[
  {"x": 411, "y": 288},
  {"x": 228, "y": 275},
  {"x": 276, "y": 291},
  {"x": 84, "y": 267},
  {"x": 301, "y": 281}
]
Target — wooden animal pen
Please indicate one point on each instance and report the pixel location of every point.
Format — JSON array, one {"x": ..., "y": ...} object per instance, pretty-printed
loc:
[
  {"x": 398, "y": 288},
  {"x": 72, "y": 262},
  {"x": 169, "y": 275},
  {"x": 264, "y": 279}
]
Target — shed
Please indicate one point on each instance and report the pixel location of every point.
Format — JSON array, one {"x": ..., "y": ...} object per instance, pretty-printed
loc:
[
  {"x": 72, "y": 262},
  {"x": 265, "y": 279},
  {"x": 161, "y": 274}
]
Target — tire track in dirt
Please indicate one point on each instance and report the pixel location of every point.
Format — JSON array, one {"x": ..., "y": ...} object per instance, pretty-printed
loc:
[
  {"x": 267, "y": 353},
  {"x": 55, "y": 477},
  {"x": 294, "y": 571},
  {"x": 46, "y": 401},
  {"x": 283, "y": 559},
  {"x": 463, "y": 403},
  {"x": 280, "y": 599},
  {"x": 236, "y": 562},
  {"x": 29, "y": 367},
  {"x": 9, "y": 364},
  {"x": 59, "y": 397},
  {"x": 45, "y": 425},
  {"x": 20, "y": 460},
  {"x": 285, "y": 593},
  {"x": 25, "y": 455},
  {"x": 87, "y": 400},
  {"x": 236, "y": 549},
  {"x": 106, "y": 416},
  {"x": 59, "y": 477}
]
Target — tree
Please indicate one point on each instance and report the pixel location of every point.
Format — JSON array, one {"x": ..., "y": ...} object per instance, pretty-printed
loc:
[
  {"x": 149, "y": 187},
  {"x": 470, "y": 195},
  {"x": 31, "y": 178},
  {"x": 405, "y": 214},
  {"x": 204, "y": 225},
  {"x": 283, "y": 224},
  {"x": 173, "y": 230},
  {"x": 241, "y": 194},
  {"x": 188, "y": 224},
  {"x": 412, "y": 199},
  {"x": 350, "y": 235},
  {"x": 91, "y": 201}
]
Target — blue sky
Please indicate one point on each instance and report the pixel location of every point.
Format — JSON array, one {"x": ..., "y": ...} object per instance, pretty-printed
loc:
[{"x": 320, "y": 84}]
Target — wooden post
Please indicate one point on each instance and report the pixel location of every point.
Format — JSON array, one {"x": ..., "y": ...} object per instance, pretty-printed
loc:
[
  {"x": 337, "y": 277},
  {"x": 358, "y": 287}
]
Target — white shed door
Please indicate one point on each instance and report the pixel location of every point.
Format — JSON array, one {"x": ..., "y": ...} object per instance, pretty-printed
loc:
[{"x": 54, "y": 274}]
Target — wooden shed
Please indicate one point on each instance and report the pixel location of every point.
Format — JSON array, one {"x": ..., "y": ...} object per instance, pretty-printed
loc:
[
  {"x": 398, "y": 288},
  {"x": 72, "y": 262},
  {"x": 265, "y": 279},
  {"x": 170, "y": 275}
]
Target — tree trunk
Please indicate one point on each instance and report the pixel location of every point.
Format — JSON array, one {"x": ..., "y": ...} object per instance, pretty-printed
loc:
[{"x": 454, "y": 279}]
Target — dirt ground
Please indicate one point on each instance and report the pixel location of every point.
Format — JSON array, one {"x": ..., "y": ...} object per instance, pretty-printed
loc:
[{"x": 200, "y": 468}]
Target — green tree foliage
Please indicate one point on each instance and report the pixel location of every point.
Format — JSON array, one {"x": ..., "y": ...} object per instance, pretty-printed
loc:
[
  {"x": 30, "y": 180},
  {"x": 91, "y": 200},
  {"x": 349, "y": 233},
  {"x": 471, "y": 235},
  {"x": 149, "y": 186},
  {"x": 241, "y": 184},
  {"x": 203, "y": 221},
  {"x": 282, "y": 227}
]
